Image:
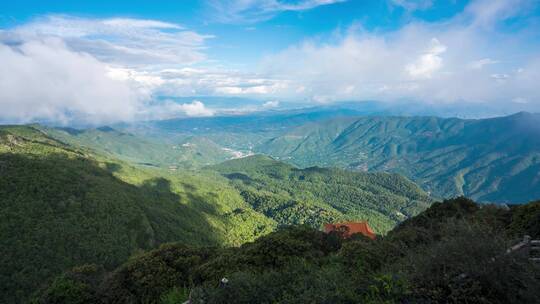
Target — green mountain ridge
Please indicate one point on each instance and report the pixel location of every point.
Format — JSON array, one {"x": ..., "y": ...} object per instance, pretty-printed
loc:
[
  {"x": 183, "y": 151},
  {"x": 489, "y": 160},
  {"x": 61, "y": 205},
  {"x": 317, "y": 195},
  {"x": 455, "y": 251},
  {"x": 493, "y": 160},
  {"x": 64, "y": 205}
]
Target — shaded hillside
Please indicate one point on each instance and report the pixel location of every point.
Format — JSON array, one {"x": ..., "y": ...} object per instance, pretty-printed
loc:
[
  {"x": 62, "y": 206},
  {"x": 453, "y": 252},
  {"x": 489, "y": 160},
  {"x": 317, "y": 195}
]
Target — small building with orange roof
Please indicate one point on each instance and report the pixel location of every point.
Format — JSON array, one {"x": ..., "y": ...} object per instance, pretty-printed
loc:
[{"x": 347, "y": 229}]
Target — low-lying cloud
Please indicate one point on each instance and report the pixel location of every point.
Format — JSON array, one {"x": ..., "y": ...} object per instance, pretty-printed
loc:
[
  {"x": 92, "y": 71},
  {"x": 170, "y": 109},
  {"x": 44, "y": 80}
]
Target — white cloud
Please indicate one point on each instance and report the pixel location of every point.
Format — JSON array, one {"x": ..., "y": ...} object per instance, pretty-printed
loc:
[
  {"x": 194, "y": 81},
  {"x": 76, "y": 70},
  {"x": 429, "y": 62},
  {"x": 520, "y": 100},
  {"x": 478, "y": 64},
  {"x": 486, "y": 13},
  {"x": 196, "y": 108},
  {"x": 271, "y": 104},
  {"x": 138, "y": 23},
  {"x": 118, "y": 40},
  {"x": 46, "y": 80},
  {"x": 500, "y": 77},
  {"x": 248, "y": 90},
  {"x": 250, "y": 11},
  {"x": 143, "y": 82},
  {"x": 413, "y": 5},
  {"x": 167, "y": 109}
]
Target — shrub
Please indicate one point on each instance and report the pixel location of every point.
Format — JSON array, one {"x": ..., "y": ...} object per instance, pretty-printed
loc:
[{"x": 468, "y": 264}]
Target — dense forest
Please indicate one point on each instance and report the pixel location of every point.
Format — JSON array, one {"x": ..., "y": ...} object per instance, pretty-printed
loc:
[
  {"x": 319, "y": 195},
  {"x": 454, "y": 252},
  {"x": 490, "y": 160},
  {"x": 64, "y": 205}
]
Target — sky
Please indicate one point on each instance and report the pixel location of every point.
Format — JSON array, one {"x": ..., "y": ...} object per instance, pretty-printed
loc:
[{"x": 106, "y": 61}]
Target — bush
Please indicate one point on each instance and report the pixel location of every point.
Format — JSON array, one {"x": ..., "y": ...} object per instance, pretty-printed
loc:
[
  {"x": 468, "y": 264},
  {"x": 77, "y": 286},
  {"x": 175, "y": 296},
  {"x": 455, "y": 255},
  {"x": 147, "y": 277},
  {"x": 526, "y": 220}
]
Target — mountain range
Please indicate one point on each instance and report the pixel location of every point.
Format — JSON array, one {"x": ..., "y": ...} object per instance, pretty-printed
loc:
[
  {"x": 100, "y": 195},
  {"x": 489, "y": 160},
  {"x": 63, "y": 204}
]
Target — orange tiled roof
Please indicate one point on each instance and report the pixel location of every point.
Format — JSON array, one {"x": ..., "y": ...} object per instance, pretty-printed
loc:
[{"x": 350, "y": 228}]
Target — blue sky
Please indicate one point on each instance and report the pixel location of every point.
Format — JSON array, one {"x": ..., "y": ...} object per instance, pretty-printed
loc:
[
  {"x": 111, "y": 60},
  {"x": 246, "y": 37}
]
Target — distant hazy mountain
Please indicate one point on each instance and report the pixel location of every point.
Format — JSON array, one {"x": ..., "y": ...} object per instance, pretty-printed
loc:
[
  {"x": 494, "y": 159},
  {"x": 186, "y": 151},
  {"x": 236, "y": 105},
  {"x": 490, "y": 160}
]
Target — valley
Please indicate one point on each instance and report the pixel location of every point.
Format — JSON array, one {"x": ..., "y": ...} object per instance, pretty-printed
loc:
[{"x": 480, "y": 158}]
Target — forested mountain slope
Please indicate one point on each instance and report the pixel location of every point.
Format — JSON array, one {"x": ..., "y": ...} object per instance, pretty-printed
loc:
[
  {"x": 63, "y": 205},
  {"x": 454, "y": 252},
  {"x": 238, "y": 132},
  {"x": 186, "y": 151},
  {"x": 495, "y": 160},
  {"x": 490, "y": 160},
  {"x": 317, "y": 195}
]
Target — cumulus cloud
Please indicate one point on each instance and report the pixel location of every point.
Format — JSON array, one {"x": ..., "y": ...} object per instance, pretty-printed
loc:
[
  {"x": 429, "y": 62},
  {"x": 210, "y": 81},
  {"x": 444, "y": 62},
  {"x": 66, "y": 69},
  {"x": 45, "y": 80},
  {"x": 170, "y": 109},
  {"x": 250, "y": 11},
  {"x": 196, "y": 108}
]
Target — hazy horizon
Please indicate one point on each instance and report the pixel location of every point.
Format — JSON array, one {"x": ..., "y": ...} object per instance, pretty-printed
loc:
[{"x": 98, "y": 63}]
